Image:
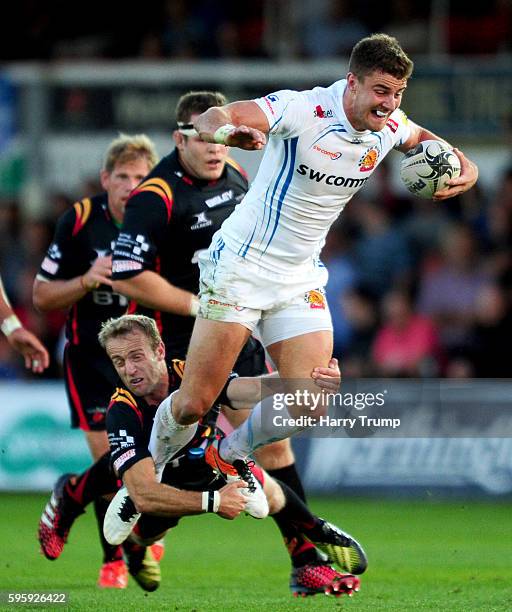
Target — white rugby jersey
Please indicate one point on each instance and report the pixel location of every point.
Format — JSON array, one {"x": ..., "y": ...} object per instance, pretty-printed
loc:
[{"x": 313, "y": 164}]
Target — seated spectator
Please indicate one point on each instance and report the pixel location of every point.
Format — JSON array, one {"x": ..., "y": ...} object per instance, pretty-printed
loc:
[{"x": 407, "y": 343}]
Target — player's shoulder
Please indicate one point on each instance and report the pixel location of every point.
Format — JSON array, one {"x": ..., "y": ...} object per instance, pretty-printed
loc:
[
  {"x": 158, "y": 184},
  {"x": 124, "y": 400},
  {"x": 83, "y": 211},
  {"x": 235, "y": 171}
]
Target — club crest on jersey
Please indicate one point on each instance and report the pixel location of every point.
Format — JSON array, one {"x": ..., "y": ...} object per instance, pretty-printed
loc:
[
  {"x": 321, "y": 113},
  {"x": 315, "y": 298},
  {"x": 201, "y": 221},
  {"x": 368, "y": 159}
]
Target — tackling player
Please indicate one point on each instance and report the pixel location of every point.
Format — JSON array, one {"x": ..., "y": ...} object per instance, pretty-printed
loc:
[
  {"x": 76, "y": 274},
  {"x": 136, "y": 349},
  {"x": 170, "y": 220}
]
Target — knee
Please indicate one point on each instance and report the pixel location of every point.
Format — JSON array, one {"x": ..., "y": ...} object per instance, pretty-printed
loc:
[{"x": 189, "y": 409}]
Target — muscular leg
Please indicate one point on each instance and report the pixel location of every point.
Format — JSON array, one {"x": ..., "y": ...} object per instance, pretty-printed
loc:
[
  {"x": 295, "y": 359},
  {"x": 213, "y": 350}
]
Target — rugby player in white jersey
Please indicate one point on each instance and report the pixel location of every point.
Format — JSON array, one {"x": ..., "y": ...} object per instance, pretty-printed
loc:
[{"x": 263, "y": 268}]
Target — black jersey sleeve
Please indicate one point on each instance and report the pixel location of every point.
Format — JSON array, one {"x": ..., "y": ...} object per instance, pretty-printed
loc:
[
  {"x": 57, "y": 264},
  {"x": 148, "y": 211},
  {"x": 125, "y": 430}
]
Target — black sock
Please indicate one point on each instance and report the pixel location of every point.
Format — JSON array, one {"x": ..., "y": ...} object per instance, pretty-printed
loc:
[
  {"x": 292, "y": 520},
  {"x": 110, "y": 553},
  {"x": 289, "y": 476},
  {"x": 98, "y": 480}
]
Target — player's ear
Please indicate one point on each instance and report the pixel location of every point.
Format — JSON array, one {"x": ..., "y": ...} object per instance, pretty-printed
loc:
[
  {"x": 160, "y": 351},
  {"x": 104, "y": 179},
  {"x": 179, "y": 138}
]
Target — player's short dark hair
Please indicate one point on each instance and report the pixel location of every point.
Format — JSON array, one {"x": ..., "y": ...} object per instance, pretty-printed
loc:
[
  {"x": 126, "y": 324},
  {"x": 380, "y": 52},
  {"x": 197, "y": 102}
]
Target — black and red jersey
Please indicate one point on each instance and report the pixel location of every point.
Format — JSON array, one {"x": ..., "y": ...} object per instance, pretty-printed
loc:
[
  {"x": 130, "y": 419},
  {"x": 83, "y": 233},
  {"x": 171, "y": 217}
]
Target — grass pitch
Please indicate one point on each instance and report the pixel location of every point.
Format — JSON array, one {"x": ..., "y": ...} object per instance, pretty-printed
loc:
[{"x": 423, "y": 555}]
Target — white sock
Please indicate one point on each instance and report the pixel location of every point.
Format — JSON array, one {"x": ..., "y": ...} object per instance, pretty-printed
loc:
[
  {"x": 259, "y": 429},
  {"x": 167, "y": 436}
]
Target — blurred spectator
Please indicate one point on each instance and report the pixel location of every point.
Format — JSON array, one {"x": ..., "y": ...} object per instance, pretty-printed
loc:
[
  {"x": 408, "y": 22},
  {"x": 407, "y": 343},
  {"x": 381, "y": 254},
  {"x": 491, "y": 334},
  {"x": 361, "y": 312},
  {"x": 448, "y": 292},
  {"x": 480, "y": 27},
  {"x": 342, "y": 277},
  {"x": 333, "y": 31}
]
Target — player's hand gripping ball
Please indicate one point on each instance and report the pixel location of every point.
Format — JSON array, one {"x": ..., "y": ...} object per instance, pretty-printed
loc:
[{"x": 426, "y": 168}]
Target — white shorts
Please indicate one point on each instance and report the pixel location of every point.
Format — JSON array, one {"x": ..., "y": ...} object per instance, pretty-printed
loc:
[{"x": 281, "y": 307}]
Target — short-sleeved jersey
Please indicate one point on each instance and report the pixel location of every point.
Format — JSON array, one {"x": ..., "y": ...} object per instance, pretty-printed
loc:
[
  {"x": 130, "y": 420},
  {"x": 169, "y": 218},
  {"x": 313, "y": 164},
  {"x": 83, "y": 233}
]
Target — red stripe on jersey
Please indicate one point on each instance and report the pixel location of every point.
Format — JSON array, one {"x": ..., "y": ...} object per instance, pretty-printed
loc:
[
  {"x": 75, "y": 398},
  {"x": 74, "y": 324},
  {"x": 159, "y": 187},
  {"x": 132, "y": 307},
  {"x": 118, "y": 397}
]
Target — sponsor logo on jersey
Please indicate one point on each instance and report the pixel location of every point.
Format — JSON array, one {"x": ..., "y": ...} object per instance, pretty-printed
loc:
[
  {"x": 322, "y": 114},
  {"x": 213, "y": 302},
  {"x": 368, "y": 159},
  {"x": 120, "y": 461},
  {"x": 222, "y": 198},
  {"x": 54, "y": 252},
  {"x": 330, "y": 179},
  {"x": 392, "y": 125},
  {"x": 332, "y": 154},
  {"x": 315, "y": 298},
  {"x": 123, "y": 440},
  {"x": 201, "y": 221},
  {"x": 268, "y": 100},
  {"x": 125, "y": 266},
  {"x": 50, "y": 266},
  {"x": 356, "y": 140}
]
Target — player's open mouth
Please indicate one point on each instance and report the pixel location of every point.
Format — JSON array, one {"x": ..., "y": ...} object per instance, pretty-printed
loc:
[
  {"x": 380, "y": 114},
  {"x": 136, "y": 381}
]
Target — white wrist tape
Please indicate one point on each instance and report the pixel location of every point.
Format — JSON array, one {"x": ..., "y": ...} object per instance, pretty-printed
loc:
[
  {"x": 10, "y": 324},
  {"x": 194, "y": 307},
  {"x": 221, "y": 133},
  {"x": 210, "y": 501}
]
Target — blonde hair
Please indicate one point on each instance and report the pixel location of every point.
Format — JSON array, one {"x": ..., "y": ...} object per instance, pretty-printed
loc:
[
  {"x": 127, "y": 148},
  {"x": 126, "y": 324}
]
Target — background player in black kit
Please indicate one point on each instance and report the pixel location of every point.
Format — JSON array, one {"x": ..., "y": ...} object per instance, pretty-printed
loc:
[
  {"x": 169, "y": 218},
  {"x": 76, "y": 274},
  {"x": 135, "y": 348}
]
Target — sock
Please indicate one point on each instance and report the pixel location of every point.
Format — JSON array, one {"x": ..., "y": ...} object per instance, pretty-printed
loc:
[
  {"x": 293, "y": 518},
  {"x": 110, "y": 553},
  {"x": 167, "y": 436},
  {"x": 290, "y": 477},
  {"x": 258, "y": 430},
  {"x": 98, "y": 480}
]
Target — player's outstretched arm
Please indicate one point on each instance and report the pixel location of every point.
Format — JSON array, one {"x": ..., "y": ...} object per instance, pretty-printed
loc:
[
  {"x": 245, "y": 392},
  {"x": 25, "y": 342},
  {"x": 239, "y": 124}
]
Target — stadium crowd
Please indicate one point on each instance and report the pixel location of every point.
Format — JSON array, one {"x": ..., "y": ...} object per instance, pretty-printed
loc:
[
  {"x": 261, "y": 29},
  {"x": 416, "y": 288}
]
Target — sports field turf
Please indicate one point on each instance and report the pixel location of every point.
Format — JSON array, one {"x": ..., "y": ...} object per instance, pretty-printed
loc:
[{"x": 422, "y": 556}]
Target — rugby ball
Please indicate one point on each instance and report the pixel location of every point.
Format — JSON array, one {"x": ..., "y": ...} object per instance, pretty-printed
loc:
[{"x": 426, "y": 168}]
